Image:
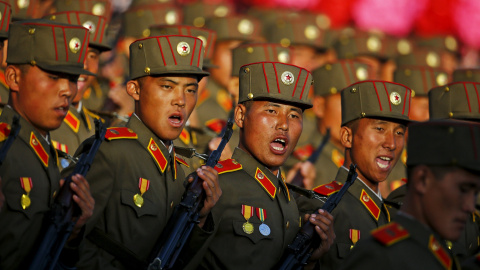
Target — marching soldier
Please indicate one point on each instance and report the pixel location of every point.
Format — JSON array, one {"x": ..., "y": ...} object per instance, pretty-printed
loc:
[
  {"x": 78, "y": 125},
  {"x": 443, "y": 181},
  {"x": 374, "y": 118},
  {"x": 258, "y": 216},
  {"x": 44, "y": 61},
  {"x": 136, "y": 177}
]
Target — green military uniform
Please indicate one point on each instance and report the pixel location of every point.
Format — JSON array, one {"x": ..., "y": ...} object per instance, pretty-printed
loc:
[
  {"x": 95, "y": 96},
  {"x": 409, "y": 243},
  {"x": 257, "y": 216},
  {"x": 30, "y": 170},
  {"x": 473, "y": 263},
  {"x": 135, "y": 180}
]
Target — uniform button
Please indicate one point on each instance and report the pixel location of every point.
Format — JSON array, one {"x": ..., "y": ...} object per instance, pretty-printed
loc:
[
  {"x": 168, "y": 170},
  {"x": 288, "y": 224},
  {"x": 171, "y": 204},
  {"x": 54, "y": 193}
]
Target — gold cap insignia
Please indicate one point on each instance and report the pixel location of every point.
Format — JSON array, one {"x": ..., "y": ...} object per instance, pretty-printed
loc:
[
  {"x": 442, "y": 79},
  {"x": 171, "y": 17},
  {"x": 146, "y": 32},
  {"x": 323, "y": 21},
  {"x": 245, "y": 27},
  {"x": 287, "y": 78},
  {"x": 183, "y": 48},
  {"x": 221, "y": 11},
  {"x": 395, "y": 98},
  {"x": 432, "y": 59},
  {"x": 23, "y": 3},
  {"x": 90, "y": 26},
  {"x": 451, "y": 43},
  {"x": 362, "y": 73},
  {"x": 404, "y": 47},
  {"x": 284, "y": 57},
  {"x": 199, "y": 22},
  {"x": 374, "y": 44},
  {"x": 204, "y": 41},
  {"x": 311, "y": 32},
  {"x": 75, "y": 45},
  {"x": 98, "y": 9}
]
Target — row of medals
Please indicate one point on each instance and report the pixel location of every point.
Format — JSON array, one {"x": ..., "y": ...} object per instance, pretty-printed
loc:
[{"x": 248, "y": 228}]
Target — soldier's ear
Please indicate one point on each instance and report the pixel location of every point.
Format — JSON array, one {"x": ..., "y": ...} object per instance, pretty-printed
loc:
[
  {"x": 240, "y": 112},
  {"x": 420, "y": 179},
  {"x": 346, "y": 137},
  {"x": 12, "y": 77},
  {"x": 133, "y": 89},
  {"x": 319, "y": 106}
]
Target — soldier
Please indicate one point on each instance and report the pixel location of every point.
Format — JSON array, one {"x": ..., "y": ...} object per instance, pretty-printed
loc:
[
  {"x": 136, "y": 177},
  {"x": 374, "y": 118},
  {"x": 78, "y": 125},
  {"x": 443, "y": 181},
  {"x": 258, "y": 217},
  {"x": 44, "y": 61}
]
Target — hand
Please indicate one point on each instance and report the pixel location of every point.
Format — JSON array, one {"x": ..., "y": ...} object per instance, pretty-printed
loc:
[
  {"x": 83, "y": 198},
  {"x": 307, "y": 171},
  {"x": 323, "y": 222},
  {"x": 213, "y": 145},
  {"x": 212, "y": 191}
]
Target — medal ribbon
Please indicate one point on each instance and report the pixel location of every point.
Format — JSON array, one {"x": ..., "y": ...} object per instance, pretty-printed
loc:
[
  {"x": 26, "y": 183},
  {"x": 261, "y": 214},
  {"x": 143, "y": 185},
  {"x": 247, "y": 211}
]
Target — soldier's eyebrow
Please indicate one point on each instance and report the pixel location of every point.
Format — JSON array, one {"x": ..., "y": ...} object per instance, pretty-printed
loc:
[
  {"x": 273, "y": 104},
  {"x": 298, "y": 110}
]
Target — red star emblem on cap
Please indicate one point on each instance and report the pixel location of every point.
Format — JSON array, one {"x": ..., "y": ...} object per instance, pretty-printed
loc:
[
  {"x": 288, "y": 77},
  {"x": 184, "y": 48}
]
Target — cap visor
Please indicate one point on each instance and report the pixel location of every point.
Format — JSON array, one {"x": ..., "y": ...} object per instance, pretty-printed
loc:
[{"x": 74, "y": 70}]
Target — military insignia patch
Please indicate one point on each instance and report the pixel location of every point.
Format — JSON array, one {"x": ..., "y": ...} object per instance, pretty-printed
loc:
[
  {"x": 442, "y": 79},
  {"x": 371, "y": 206},
  {"x": 171, "y": 17},
  {"x": 23, "y": 3},
  {"x": 361, "y": 73},
  {"x": 183, "y": 48},
  {"x": 75, "y": 45},
  {"x": 440, "y": 253},
  {"x": 228, "y": 165},
  {"x": 390, "y": 234},
  {"x": 98, "y": 9},
  {"x": 204, "y": 40},
  {"x": 374, "y": 44},
  {"x": 90, "y": 26},
  {"x": 266, "y": 183},
  {"x": 284, "y": 57},
  {"x": 221, "y": 11},
  {"x": 311, "y": 32},
  {"x": 404, "y": 47},
  {"x": 328, "y": 189},
  {"x": 432, "y": 59},
  {"x": 287, "y": 78},
  {"x": 245, "y": 27},
  {"x": 395, "y": 98}
]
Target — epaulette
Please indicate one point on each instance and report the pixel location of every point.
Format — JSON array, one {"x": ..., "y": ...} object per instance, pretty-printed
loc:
[
  {"x": 303, "y": 152},
  {"x": 60, "y": 146},
  {"x": 120, "y": 133},
  {"x": 328, "y": 189},
  {"x": 228, "y": 165},
  {"x": 390, "y": 234},
  {"x": 4, "y": 131},
  {"x": 185, "y": 137},
  {"x": 203, "y": 96},
  {"x": 224, "y": 100},
  {"x": 181, "y": 161},
  {"x": 216, "y": 125},
  {"x": 94, "y": 115}
]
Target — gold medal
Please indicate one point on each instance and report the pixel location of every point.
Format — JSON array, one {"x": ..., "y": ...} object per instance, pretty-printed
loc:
[
  {"x": 138, "y": 200},
  {"x": 25, "y": 201},
  {"x": 248, "y": 227}
]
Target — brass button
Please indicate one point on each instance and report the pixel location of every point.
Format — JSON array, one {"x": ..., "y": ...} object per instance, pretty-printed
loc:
[
  {"x": 147, "y": 70},
  {"x": 171, "y": 204},
  {"x": 288, "y": 224}
]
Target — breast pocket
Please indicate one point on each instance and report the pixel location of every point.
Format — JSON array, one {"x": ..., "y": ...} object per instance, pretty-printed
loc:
[
  {"x": 37, "y": 200},
  {"x": 251, "y": 232},
  {"x": 143, "y": 206},
  {"x": 343, "y": 249}
]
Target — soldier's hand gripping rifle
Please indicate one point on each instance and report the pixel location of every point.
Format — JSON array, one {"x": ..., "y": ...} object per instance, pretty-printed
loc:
[
  {"x": 64, "y": 209},
  {"x": 298, "y": 178},
  {"x": 299, "y": 251},
  {"x": 186, "y": 214},
  {"x": 11, "y": 137}
]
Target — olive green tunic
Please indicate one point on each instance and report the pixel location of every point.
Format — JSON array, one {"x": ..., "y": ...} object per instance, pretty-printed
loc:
[{"x": 21, "y": 229}]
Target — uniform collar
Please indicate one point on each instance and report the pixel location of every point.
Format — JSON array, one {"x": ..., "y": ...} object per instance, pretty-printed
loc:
[{"x": 170, "y": 148}]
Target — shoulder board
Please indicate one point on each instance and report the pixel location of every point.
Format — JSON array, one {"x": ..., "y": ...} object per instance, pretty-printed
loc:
[
  {"x": 228, "y": 165},
  {"x": 224, "y": 100},
  {"x": 181, "y": 161},
  {"x": 328, "y": 189},
  {"x": 60, "y": 146},
  {"x": 94, "y": 115},
  {"x": 203, "y": 96},
  {"x": 120, "y": 133},
  {"x": 390, "y": 234},
  {"x": 4, "y": 131},
  {"x": 216, "y": 125},
  {"x": 303, "y": 152}
]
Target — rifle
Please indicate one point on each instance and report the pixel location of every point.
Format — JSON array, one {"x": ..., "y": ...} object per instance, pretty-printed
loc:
[
  {"x": 11, "y": 137},
  {"x": 300, "y": 250},
  {"x": 186, "y": 214},
  {"x": 298, "y": 178},
  {"x": 64, "y": 209}
]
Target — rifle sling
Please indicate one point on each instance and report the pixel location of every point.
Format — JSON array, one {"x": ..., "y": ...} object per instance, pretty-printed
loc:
[{"x": 117, "y": 249}]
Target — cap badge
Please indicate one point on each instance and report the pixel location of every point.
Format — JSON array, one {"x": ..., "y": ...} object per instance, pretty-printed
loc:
[
  {"x": 287, "y": 78},
  {"x": 374, "y": 44},
  {"x": 98, "y": 9},
  {"x": 221, "y": 11},
  {"x": 171, "y": 17},
  {"x": 183, "y": 48},
  {"x": 311, "y": 32},
  {"x": 432, "y": 59},
  {"x": 403, "y": 47},
  {"x": 245, "y": 27},
  {"x": 75, "y": 45},
  {"x": 90, "y": 26},
  {"x": 323, "y": 21},
  {"x": 284, "y": 57},
  {"x": 442, "y": 79},
  {"x": 362, "y": 73},
  {"x": 395, "y": 98},
  {"x": 451, "y": 43},
  {"x": 23, "y": 3},
  {"x": 204, "y": 41}
]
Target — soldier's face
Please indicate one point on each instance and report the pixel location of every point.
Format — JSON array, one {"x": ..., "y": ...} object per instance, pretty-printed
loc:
[
  {"x": 269, "y": 131},
  {"x": 85, "y": 81},
  {"x": 164, "y": 103},
  {"x": 376, "y": 147},
  {"x": 419, "y": 108},
  {"x": 449, "y": 201},
  {"x": 41, "y": 97}
]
